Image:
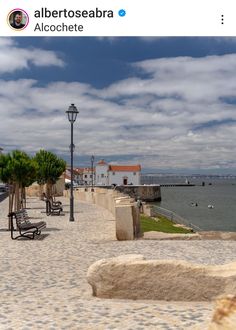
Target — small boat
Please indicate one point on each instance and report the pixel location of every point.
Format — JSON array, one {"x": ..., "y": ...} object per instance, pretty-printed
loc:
[
  {"x": 210, "y": 206},
  {"x": 194, "y": 204}
]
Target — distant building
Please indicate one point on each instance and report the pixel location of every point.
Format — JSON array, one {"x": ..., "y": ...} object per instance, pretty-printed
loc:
[
  {"x": 82, "y": 176},
  {"x": 107, "y": 174},
  {"x": 101, "y": 170},
  {"x": 88, "y": 176},
  {"x": 78, "y": 175}
]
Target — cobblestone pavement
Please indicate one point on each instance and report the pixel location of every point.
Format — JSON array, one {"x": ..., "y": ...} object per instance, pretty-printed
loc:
[{"x": 43, "y": 281}]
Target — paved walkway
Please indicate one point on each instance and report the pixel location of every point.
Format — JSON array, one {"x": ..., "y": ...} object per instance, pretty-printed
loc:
[{"x": 43, "y": 282}]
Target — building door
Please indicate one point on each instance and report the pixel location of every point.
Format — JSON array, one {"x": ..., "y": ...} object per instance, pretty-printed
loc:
[{"x": 125, "y": 181}]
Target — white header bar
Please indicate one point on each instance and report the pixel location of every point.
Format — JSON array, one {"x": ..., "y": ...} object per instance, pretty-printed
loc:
[{"x": 118, "y": 18}]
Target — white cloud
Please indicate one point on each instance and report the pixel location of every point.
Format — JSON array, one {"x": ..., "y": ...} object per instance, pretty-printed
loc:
[
  {"x": 13, "y": 57},
  {"x": 167, "y": 119}
]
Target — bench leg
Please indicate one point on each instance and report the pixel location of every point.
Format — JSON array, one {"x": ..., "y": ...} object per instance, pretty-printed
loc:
[
  {"x": 55, "y": 212},
  {"x": 28, "y": 234},
  {"x": 23, "y": 235}
]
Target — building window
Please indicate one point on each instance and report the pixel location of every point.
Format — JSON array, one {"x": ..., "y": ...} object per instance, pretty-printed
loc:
[
  {"x": 134, "y": 173},
  {"x": 85, "y": 176},
  {"x": 91, "y": 176},
  {"x": 113, "y": 173},
  {"x": 102, "y": 175}
]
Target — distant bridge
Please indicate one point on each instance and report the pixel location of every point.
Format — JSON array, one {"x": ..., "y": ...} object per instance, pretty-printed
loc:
[{"x": 177, "y": 185}]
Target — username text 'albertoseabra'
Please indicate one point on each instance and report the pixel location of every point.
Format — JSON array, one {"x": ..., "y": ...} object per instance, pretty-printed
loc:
[{"x": 67, "y": 14}]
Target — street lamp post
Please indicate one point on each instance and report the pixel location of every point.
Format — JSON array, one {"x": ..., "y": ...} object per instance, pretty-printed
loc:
[
  {"x": 92, "y": 161},
  {"x": 72, "y": 114}
]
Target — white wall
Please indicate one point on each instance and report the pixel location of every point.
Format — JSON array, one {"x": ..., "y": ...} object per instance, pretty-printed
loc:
[
  {"x": 102, "y": 175},
  {"x": 87, "y": 178},
  {"x": 118, "y": 178}
]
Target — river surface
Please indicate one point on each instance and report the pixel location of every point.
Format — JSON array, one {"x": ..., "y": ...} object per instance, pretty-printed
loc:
[{"x": 221, "y": 193}]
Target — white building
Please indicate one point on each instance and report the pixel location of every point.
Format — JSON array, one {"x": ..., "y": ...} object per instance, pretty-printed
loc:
[
  {"x": 101, "y": 171},
  {"x": 88, "y": 176},
  {"x": 117, "y": 174},
  {"x": 81, "y": 175}
]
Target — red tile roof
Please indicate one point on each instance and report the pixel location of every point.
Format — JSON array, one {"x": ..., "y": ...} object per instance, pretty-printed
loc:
[
  {"x": 78, "y": 170},
  {"x": 101, "y": 162},
  {"x": 125, "y": 168}
]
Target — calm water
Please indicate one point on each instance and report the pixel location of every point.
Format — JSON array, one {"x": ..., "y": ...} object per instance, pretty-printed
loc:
[{"x": 221, "y": 194}]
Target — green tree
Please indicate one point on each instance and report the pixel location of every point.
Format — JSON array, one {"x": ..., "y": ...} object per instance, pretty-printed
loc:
[
  {"x": 6, "y": 176},
  {"x": 49, "y": 169},
  {"x": 18, "y": 171}
]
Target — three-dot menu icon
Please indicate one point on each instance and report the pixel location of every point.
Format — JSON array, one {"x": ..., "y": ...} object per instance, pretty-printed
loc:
[{"x": 222, "y": 19}]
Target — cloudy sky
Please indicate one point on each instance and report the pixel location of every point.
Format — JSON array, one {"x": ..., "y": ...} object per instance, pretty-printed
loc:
[{"x": 166, "y": 103}]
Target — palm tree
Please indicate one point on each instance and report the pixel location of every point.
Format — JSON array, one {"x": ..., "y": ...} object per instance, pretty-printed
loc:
[{"x": 49, "y": 169}]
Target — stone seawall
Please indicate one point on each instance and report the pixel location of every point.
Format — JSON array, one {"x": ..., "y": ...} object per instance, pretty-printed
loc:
[
  {"x": 149, "y": 193},
  {"x": 123, "y": 208}
]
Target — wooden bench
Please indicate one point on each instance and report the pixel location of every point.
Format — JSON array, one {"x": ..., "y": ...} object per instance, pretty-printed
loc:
[
  {"x": 53, "y": 209},
  {"x": 54, "y": 202},
  {"x": 52, "y": 206},
  {"x": 25, "y": 227}
]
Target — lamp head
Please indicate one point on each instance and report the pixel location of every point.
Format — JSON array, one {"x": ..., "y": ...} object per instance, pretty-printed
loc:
[{"x": 72, "y": 113}]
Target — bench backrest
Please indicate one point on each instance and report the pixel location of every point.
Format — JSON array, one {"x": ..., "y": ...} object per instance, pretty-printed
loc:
[{"x": 21, "y": 217}]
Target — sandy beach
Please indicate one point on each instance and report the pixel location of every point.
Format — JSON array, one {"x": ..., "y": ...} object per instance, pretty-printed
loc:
[{"x": 43, "y": 281}]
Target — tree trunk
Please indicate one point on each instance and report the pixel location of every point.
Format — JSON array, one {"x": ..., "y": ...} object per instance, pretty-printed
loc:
[
  {"x": 17, "y": 197},
  {"x": 12, "y": 198},
  {"x": 49, "y": 190},
  {"x": 53, "y": 191},
  {"x": 41, "y": 192},
  {"x": 20, "y": 197},
  {"x": 23, "y": 197},
  {"x": 11, "y": 202}
]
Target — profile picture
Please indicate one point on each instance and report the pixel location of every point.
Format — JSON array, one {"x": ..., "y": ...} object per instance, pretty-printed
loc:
[{"x": 18, "y": 19}]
